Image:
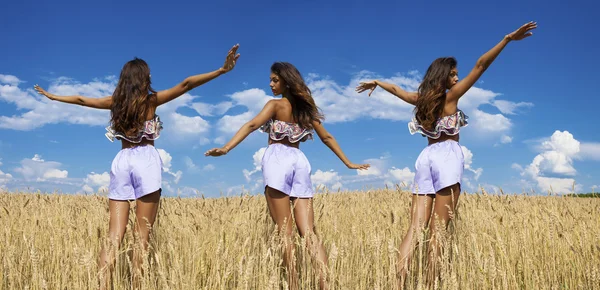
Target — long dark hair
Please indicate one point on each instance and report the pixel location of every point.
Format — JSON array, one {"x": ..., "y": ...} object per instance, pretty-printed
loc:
[
  {"x": 432, "y": 92},
  {"x": 133, "y": 98},
  {"x": 304, "y": 108}
]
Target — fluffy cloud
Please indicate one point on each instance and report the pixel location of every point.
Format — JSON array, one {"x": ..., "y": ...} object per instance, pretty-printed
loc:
[
  {"x": 166, "y": 159},
  {"x": 253, "y": 100},
  {"x": 329, "y": 179},
  {"x": 4, "y": 177},
  {"x": 257, "y": 161},
  {"x": 38, "y": 169},
  {"x": 9, "y": 79},
  {"x": 505, "y": 139},
  {"x": 509, "y": 108},
  {"x": 469, "y": 162},
  {"x": 96, "y": 182},
  {"x": 556, "y": 158}
]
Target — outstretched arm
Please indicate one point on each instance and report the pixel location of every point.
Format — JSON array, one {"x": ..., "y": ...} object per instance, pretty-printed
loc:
[
  {"x": 328, "y": 139},
  {"x": 192, "y": 82},
  {"x": 267, "y": 113},
  {"x": 97, "y": 103},
  {"x": 486, "y": 60},
  {"x": 409, "y": 97}
]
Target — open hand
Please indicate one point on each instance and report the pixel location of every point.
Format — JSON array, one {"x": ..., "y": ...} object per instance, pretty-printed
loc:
[
  {"x": 358, "y": 166},
  {"x": 371, "y": 86},
  {"x": 216, "y": 152},
  {"x": 231, "y": 58},
  {"x": 523, "y": 31},
  {"x": 43, "y": 92}
]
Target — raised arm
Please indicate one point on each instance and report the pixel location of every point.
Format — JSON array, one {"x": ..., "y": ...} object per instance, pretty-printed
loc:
[
  {"x": 486, "y": 60},
  {"x": 97, "y": 103},
  {"x": 328, "y": 140},
  {"x": 265, "y": 114},
  {"x": 409, "y": 97},
  {"x": 192, "y": 82}
]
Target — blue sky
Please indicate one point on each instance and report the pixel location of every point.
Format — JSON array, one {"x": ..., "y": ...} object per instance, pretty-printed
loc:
[{"x": 530, "y": 115}]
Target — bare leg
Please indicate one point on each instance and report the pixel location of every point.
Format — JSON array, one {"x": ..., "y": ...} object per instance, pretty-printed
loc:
[
  {"x": 279, "y": 207},
  {"x": 420, "y": 214},
  {"x": 304, "y": 215},
  {"x": 146, "y": 209},
  {"x": 443, "y": 212},
  {"x": 119, "y": 216}
]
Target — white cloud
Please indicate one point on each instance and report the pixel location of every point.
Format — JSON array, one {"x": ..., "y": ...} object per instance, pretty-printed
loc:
[
  {"x": 185, "y": 127},
  {"x": 469, "y": 161},
  {"x": 377, "y": 166},
  {"x": 329, "y": 179},
  {"x": 505, "y": 139},
  {"x": 100, "y": 181},
  {"x": 509, "y": 108},
  {"x": 4, "y": 177},
  {"x": 257, "y": 161},
  {"x": 253, "y": 99},
  {"x": 490, "y": 123},
  {"x": 9, "y": 79},
  {"x": 558, "y": 153},
  {"x": 208, "y": 167},
  {"x": 403, "y": 176},
  {"x": 38, "y": 169},
  {"x": 558, "y": 185},
  {"x": 166, "y": 159}
]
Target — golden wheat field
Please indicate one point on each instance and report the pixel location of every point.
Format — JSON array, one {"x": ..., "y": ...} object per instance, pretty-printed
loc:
[{"x": 51, "y": 241}]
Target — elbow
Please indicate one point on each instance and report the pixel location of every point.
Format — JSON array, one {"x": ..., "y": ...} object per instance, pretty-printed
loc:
[
  {"x": 251, "y": 126},
  {"x": 186, "y": 85},
  {"x": 327, "y": 139},
  {"x": 482, "y": 64}
]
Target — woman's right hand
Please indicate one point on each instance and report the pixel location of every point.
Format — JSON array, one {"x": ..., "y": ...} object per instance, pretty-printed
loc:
[
  {"x": 231, "y": 59},
  {"x": 523, "y": 31},
  {"x": 372, "y": 85}
]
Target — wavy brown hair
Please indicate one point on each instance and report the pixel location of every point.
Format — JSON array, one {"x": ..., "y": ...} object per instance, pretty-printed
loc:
[
  {"x": 133, "y": 98},
  {"x": 304, "y": 108},
  {"x": 432, "y": 92}
]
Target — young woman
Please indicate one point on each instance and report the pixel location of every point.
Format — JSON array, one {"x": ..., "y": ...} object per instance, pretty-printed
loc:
[
  {"x": 136, "y": 170},
  {"x": 286, "y": 170},
  {"x": 440, "y": 165}
]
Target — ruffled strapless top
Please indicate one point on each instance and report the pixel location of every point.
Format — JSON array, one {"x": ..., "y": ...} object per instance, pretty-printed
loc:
[
  {"x": 278, "y": 130},
  {"x": 449, "y": 125},
  {"x": 151, "y": 131}
]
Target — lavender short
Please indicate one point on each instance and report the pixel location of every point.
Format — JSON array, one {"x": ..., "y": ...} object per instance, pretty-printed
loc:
[
  {"x": 438, "y": 166},
  {"x": 287, "y": 169},
  {"x": 135, "y": 172}
]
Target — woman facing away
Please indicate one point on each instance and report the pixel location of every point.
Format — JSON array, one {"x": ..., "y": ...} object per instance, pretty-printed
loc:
[
  {"x": 440, "y": 165},
  {"x": 286, "y": 170},
  {"x": 136, "y": 170}
]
